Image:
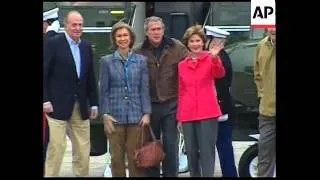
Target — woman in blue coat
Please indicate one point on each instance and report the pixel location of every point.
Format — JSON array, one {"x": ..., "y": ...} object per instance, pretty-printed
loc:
[{"x": 125, "y": 99}]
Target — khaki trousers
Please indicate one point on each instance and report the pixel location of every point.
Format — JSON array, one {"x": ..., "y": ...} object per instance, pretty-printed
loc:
[
  {"x": 79, "y": 132},
  {"x": 125, "y": 140}
]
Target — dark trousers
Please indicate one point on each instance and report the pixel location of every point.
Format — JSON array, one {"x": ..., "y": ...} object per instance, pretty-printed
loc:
[
  {"x": 200, "y": 136},
  {"x": 267, "y": 146},
  {"x": 225, "y": 150},
  {"x": 163, "y": 122}
]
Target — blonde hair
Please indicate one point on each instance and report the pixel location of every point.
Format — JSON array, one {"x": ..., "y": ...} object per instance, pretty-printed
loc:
[
  {"x": 196, "y": 29},
  {"x": 120, "y": 25}
]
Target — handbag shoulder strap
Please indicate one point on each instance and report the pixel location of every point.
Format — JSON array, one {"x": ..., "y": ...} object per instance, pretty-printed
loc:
[
  {"x": 142, "y": 135},
  {"x": 152, "y": 134}
]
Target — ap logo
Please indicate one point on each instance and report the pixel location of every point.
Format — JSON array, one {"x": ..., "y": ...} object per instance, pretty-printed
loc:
[{"x": 263, "y": 13}]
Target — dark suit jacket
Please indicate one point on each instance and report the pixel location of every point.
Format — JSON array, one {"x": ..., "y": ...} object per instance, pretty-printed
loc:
[
  {"x": 47, "y": 36},
  {"x": 50, "y": 34},
  {"x": 223, "y": 85},
  {"x": 61, "y": 83}
]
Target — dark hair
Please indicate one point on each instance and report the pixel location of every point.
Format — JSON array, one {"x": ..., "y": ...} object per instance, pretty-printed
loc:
[
  {"x": 50, "y": 21},
  {"x": 120, "y": 25}
]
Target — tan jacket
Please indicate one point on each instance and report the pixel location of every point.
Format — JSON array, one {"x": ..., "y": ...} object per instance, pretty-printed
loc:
[
  {"x": 265, "y": 76},
  {"x": 163, "y": 77}
]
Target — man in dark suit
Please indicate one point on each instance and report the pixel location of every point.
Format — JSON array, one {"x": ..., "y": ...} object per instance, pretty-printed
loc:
[
  {"x": 50, "y": 29},
  {"x": 69, "y": 89}
]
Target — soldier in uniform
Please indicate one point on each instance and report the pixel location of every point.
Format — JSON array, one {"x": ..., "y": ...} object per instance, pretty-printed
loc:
[
  {"x": 223, "y": 85},
  {"x": 51, "y": 24}
]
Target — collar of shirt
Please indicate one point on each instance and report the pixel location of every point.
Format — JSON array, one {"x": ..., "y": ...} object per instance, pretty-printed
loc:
[
  {"x": 70, "y": 40},
  {"x": 160, "y": 47},
  {"x": 272, "y": 43},
  {"x": 269, "y": 42},
  {"x": 117, "y": 56}
]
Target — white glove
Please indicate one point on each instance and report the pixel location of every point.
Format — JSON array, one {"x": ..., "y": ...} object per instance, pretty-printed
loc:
[
  {"x": 223, "y": 118},
  {"x": 54, "y": 26}
]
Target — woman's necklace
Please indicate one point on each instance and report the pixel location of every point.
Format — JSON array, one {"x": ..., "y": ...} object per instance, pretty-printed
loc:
[{"x": 193, "y": 57}]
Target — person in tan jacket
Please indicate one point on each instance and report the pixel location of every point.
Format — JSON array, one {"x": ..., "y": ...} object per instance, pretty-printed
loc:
[{"x": 265, "y": 79}]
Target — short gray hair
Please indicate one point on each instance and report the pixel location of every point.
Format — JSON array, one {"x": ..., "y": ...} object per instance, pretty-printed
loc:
[{"x": 152, "y": 19}]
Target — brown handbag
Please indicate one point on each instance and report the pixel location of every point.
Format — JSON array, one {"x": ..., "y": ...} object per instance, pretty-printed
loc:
[{"x": 150, "y": 154}]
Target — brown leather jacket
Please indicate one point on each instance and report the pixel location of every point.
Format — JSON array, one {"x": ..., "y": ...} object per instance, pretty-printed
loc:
[{"x": 163, "y": 76}]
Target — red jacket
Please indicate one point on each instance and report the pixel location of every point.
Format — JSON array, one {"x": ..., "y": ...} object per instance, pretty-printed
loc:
[{"x": 197, "y": 97}]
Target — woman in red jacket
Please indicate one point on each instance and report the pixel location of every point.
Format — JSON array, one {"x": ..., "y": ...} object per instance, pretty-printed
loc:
[{"x": 198, "y": 108}]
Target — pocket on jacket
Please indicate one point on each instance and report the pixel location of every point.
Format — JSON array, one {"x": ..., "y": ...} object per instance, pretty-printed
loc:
[{"x": 114, "y": 104}]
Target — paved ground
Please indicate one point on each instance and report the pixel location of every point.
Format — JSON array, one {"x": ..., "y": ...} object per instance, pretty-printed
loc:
[{"x": 97, "y": 163}]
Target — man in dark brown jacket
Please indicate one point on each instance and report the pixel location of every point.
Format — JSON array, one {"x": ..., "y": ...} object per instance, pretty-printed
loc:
[{"x": 163, "y": 55}]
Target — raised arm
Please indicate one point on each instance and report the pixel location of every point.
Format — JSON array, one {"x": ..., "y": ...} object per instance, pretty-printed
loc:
[{"x": 217, "y": 67}]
